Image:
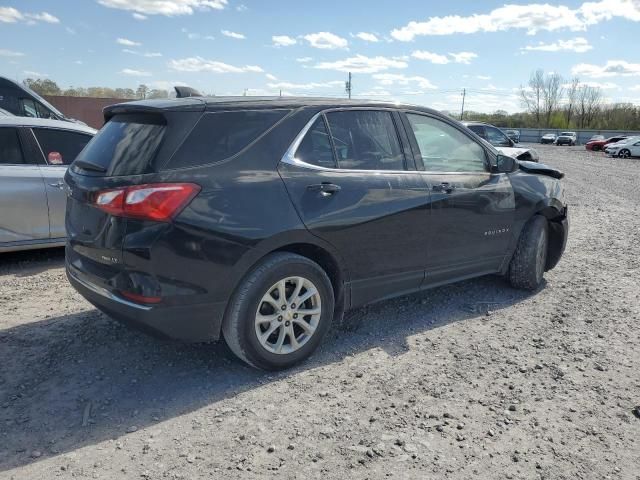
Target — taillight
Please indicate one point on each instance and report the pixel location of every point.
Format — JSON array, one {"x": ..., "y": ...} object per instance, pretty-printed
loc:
[{"x": 157, "y": 201}]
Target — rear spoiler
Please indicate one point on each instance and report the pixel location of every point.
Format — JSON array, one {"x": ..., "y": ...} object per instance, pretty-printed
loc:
[
  {"x": 193, "y": 104},
  {"x": 184, "y": 92}
]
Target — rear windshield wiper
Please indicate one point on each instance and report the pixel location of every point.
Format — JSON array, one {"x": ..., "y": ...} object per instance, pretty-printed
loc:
[{"x": 90, "y": 166}]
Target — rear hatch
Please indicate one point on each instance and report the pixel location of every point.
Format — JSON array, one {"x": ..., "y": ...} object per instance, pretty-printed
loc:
[{"x": 127, "y": 152}]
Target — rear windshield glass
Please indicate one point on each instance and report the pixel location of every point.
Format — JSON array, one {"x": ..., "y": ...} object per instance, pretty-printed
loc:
[
  {"x": 221, "y": 135},
  {"x": 126, "y": 145}
]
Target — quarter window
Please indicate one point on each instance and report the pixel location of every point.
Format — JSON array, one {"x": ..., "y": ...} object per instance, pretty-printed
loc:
[
  {"x": 315, "y": 148},
  {"x": 365, "y": 140},
  {"x": 60, "y": 147},
  {"x": 444, "y": 148},
  {"x": 10, "y": 149},
  {"x": 28, "y": 108}
]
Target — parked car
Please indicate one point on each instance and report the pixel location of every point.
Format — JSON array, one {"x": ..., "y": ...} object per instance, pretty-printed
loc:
[
  {"x": 263, "y": 218},
  {"x": 567, "y": 138},
  {"x": 501, "y": 141},
  {"x": 549, "y": 138},
  {"x": 513, "y": 135},
  {"x": 629, "y": 147},
  {"x": 34, "y": 154},
  {"x": 596, "y": 137},
  {"x": 597, "y": 145},
  {"x": 5, "y": 113},
  {"x": 21, "y": 101}
]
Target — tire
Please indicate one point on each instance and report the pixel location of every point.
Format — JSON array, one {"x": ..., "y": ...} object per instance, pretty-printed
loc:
[
  {"x": 241, "y": 323},
  {"x": 528, "y": 263},
  {"x": 624, "y": 153}
]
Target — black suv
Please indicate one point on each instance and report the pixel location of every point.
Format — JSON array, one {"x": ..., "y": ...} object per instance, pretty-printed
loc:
[{"x": 263, "y": 219}]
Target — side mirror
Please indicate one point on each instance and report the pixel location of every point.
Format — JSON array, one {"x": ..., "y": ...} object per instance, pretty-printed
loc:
[{"x": 505, "y": 164}]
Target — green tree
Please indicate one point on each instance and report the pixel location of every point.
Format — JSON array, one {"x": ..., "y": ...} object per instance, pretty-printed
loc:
[{"x": 43, "y": 86}]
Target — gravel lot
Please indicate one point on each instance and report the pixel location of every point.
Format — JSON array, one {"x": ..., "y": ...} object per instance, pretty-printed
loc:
[{"x": 474, "y": 380}]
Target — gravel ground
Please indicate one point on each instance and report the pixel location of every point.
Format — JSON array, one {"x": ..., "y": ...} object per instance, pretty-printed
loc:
[{"x": 474, "y": 380}]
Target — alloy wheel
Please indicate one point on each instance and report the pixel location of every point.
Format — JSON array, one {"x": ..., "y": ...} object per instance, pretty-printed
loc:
[
  {"x": 288, "y": 315},
  {"x": 624, "y": 153}
]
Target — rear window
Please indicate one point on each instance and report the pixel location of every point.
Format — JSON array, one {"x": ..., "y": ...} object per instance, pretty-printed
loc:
[
  {"x": 126, "y": 145},
  {"x": 221, "y": 135}
]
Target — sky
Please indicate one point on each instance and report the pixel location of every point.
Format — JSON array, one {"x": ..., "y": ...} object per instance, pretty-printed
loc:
[{"x": 420, "y": 52}]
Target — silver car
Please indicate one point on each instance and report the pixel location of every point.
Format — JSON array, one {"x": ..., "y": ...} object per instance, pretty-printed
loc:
[{"x": 34, "y": 154}]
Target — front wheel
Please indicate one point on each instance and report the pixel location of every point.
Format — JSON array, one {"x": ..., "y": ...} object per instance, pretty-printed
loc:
[
  {"x": 624, "y": 153},
  {"x": 280, "y": 312},
  {"x": 527, "y": 266}
]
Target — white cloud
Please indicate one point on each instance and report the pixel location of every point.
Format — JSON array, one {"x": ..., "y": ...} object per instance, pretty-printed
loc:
[
  {"x": 31, "y": 73},
  {"x": 613, "y": 68},
  {"x": 635, "y": 88},
  {"x": 532, "y": 18},
  {"x": 230, "y": 34},
  {"x": 326, "y": 41},
  {"x": 602, "y": 85},
  {"x": 135, "y": 73},
  {"x": 139, "y": 16},
  {"x": 283, "y": 40},
  {"x": 304, "y": 59},
  {"x": 399, "y": 79},
  {"x": 460, "y": 57},
  {"x": 142, "y": 54},
  {"x": 362, "y": 64},
  {"x": 431, "y": 57},
  {"x": 13, "y": 15},
  {"x": 10, "y": 53},
  {"x": 271, "y": 77},
  {"x": 242, "y": 8},
  {"x": 199, "y": 64},
  {"x": 165, "y": 7},
  {"x": 367, "y": 37},
  {"x": 483, "y": 77},
  {"x": 128, "y": 43},
  {"x": 463, "y": 57},
  {"x": 304, "y": 86},
  {"x": 578, "y": 45}
]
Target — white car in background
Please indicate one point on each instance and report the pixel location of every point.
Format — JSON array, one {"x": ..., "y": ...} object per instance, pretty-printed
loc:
[
  {"x": 34, "y": 154},
  {"x": 629, "y": 147}
]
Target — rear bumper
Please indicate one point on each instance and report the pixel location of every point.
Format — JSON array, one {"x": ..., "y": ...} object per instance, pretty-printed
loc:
[{"x": 190, "y": 323}]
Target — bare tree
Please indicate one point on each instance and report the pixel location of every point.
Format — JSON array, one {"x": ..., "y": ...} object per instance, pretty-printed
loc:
[
  {"x": 572, "y": 98},
  {"x": 532, "y": 95},
  {"x": 551, "y": 95},
  {"x": 589, "y": 102}
]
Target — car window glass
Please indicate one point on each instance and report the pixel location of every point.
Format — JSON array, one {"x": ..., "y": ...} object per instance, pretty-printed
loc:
[
  {"x": 60, "y": 147},
  {"x": 315, "y": 148},
  {"x": 497, "y": 138},
  {"x": 10, "y": 149},
  {"x": 43, "y": 112},
  {"x": 221, "y": 135},
  {"x": 28, "y": 108},
  {"x": 365, "y": 140},
  {"x": 478, "y": 130},
  {"x": 444, "y": 148}
]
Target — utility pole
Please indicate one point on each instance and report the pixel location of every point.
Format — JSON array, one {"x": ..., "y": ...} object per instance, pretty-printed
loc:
[
  {"x": 347, "y": 86},
  {"x": 464, "y": 94}
]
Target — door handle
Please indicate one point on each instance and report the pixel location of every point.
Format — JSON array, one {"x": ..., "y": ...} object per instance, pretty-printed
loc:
[
  {"x": 445, "y": 187},
  {"x": 325, "y": 189},
  {"x": 59, "y": 185}
]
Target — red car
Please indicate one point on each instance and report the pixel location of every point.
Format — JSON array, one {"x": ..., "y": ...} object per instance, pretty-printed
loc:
[{"x": 597, "y": 145}]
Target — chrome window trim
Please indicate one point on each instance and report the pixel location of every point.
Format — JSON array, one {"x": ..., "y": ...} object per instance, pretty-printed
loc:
[{"x": 290, "y": 155}]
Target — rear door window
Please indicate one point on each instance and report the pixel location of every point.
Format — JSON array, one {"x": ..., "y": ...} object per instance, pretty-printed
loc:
[
  {"x": 28, "y": 108},
  {"x": 10, "y": 148},
  {"x": 221, "y": 135},
  {"x": 478, "y": 130},
  {"x": 365, "y": 140},
  {"x": 60, "y": 147},
  {"x": 126, "y": 145},
  {"x": 315, "y": 148}
]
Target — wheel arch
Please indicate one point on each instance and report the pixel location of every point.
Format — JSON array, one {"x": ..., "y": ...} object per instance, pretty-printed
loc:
[{"x": 556, "y": 215}]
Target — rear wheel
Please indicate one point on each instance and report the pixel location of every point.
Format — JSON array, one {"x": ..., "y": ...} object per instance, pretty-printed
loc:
[
  {"x": 280, "y": 312},
  {"x": 527, "y": 266},
  {"x": 624, "y": 153}
]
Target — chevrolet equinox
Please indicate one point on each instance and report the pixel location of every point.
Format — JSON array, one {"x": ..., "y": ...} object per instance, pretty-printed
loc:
[{"x": 262, "y": 219}]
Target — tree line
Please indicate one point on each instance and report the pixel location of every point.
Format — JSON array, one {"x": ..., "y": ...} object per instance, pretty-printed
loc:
[
  {"x": 49, "y": 87},
  {"x": 551, "y": 102}
]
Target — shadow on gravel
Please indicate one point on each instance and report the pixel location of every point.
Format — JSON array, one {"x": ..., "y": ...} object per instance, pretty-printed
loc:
[
  {"x": 31, "y": 262},
  {"x": 80, "y": 379}
]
